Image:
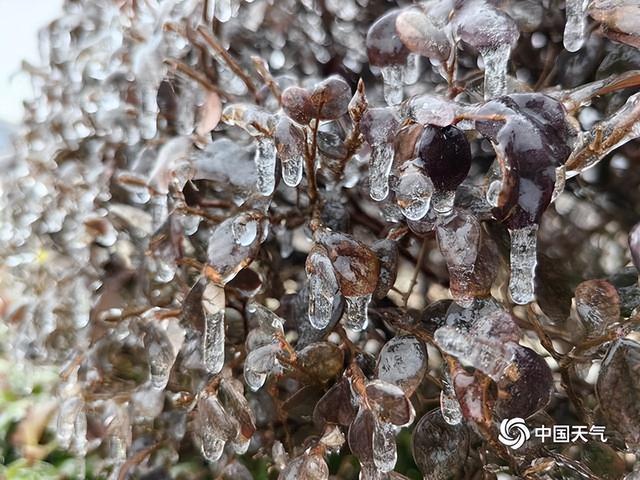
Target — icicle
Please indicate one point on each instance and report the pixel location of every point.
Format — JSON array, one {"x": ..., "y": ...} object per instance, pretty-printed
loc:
[
  {"x": 449, "y": 405},
  {"x": 212, "y": 447},
  {"x": 576, "y": 26},
  {"x": 523, "y": 264},
  {"x": 224, "y": 10},
  {"x": 148, "y": 117},
  {"x": 161, "y": 357},
  {"x": 561, "y": 178},
  {"x": 210, "y": 12},
  {"x": 245, "y": 230},
  {"x": 379, "y": 168},
  {"x": 292, "y": 170},
  {"x": 213, "y": 304},
  {"x": 385, "y": 453},
  {"x": 412, "y": 70},
  {"x": 357, "y": 315},
  {"x": 323, "y": 287},
  {"x": 265, "y": 160},
  {"x": 393, "y": 78},
  {"x": 496, "y": 60}
]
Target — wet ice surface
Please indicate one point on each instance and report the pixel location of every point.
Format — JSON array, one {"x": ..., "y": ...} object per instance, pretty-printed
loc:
[
  {"x": 323, "y": 288},
  {"x": 213, "y": 304}
]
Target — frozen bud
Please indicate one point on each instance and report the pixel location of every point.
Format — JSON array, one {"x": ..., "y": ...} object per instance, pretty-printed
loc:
[
  {"x": 446, "y": 154},
  {"x": 296, "y": 102},
  {"x": 330, "y": 98},
  {"x": 384, "y": 46}
]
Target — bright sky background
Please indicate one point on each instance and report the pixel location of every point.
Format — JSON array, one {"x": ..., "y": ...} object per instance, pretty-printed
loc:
[{"x": 20, "y": 21}]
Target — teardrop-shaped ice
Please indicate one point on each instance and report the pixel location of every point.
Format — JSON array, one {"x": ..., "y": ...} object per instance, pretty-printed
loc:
[
  {"x": 323, "y": 287},
  {"x": 379, "y": 168},
  {"x": 523, "y": 264},
  {"x": 213, "y": 304},
  {"x": 357, "y": 317}
]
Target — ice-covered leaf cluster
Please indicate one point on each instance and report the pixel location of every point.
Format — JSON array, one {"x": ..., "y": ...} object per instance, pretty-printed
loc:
[{"x": 278, "y": 232}]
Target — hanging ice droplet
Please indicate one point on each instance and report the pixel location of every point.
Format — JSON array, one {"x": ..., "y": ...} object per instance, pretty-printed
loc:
[
  {"x": 561, "y": 179},
  {"x": 265, "y": 160},
  {"x": 259, "y": 364},
  {"x": 357, "y": 315},
  {"x": 379, "y": 168},
  {"x": 292, "y": 170},
  {"x": 449, "y": 405},
  {"x": 393, "y": 78},
  {"x": 323, "y": 287},
  {"x": 161, "y": 357},
  {"x": 523, "y": 264},
  {"x": 412, "y": 70},
  {"x": 496, "y": 61},
  {"x": 245, "y": 230},
  {"x": 213, "y": 304},
  {"x": 576, "y": 24}
]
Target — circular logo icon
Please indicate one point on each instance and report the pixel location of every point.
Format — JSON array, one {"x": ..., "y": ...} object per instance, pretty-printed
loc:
[{"x": 513, "y": 432}]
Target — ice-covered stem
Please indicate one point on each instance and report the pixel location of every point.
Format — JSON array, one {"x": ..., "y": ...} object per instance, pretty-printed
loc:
[
  {"x": 605, "y": 136},
  {"x": 576, "y": 24},
  {"x": 262, "y": 67},
  {"x": 523, "y": 259}
]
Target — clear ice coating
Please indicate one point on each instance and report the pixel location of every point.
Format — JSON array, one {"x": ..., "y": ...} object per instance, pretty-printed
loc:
[
  {"x": 323, "y": 288},
  {"x": 213, "y": 305},
  {"x": 523, "y": 264},
  {"x": 393, "y": 78},
  {"x": 385, "y": 453},
  {"x": 576, "y": 24},
  {"x": 357, "y": 316},
  {"x": 496, "y": 61},
  {"x": 245, "y": 230},
  {"x": 380, "y": 163},
  {"x": 265, "y": 160},
  {"x": 489, "y": 356},
  {"x": 69, "y": 420}
]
